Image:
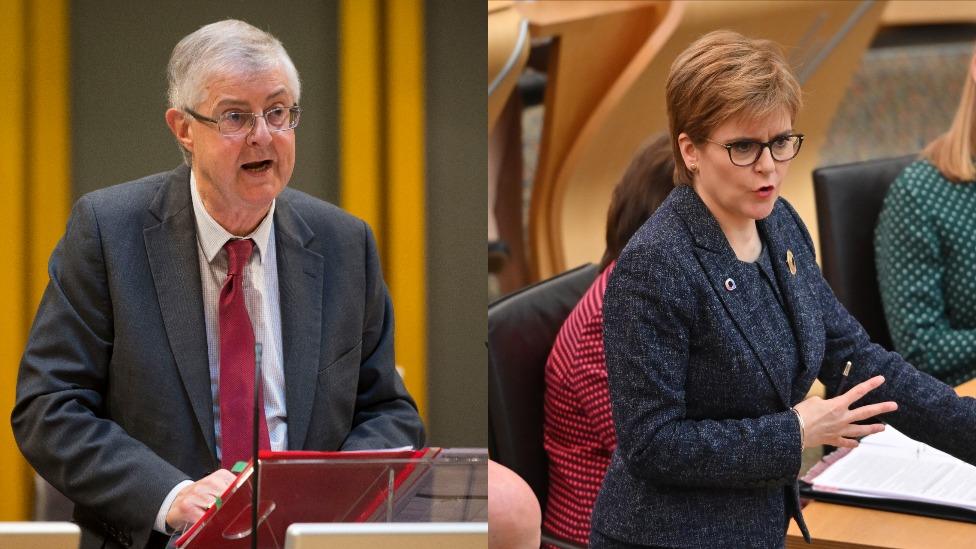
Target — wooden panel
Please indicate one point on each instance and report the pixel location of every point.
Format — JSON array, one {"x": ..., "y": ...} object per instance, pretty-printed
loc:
[
  {"x": 823, "y": 41},
  {"x": 593, "y": 43},
  {"x": 928, "y": 12}
]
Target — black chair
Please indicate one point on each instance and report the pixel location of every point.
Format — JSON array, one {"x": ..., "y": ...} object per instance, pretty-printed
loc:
[
  {"x": 849, "y": 199},
  {"x": 521, "y": 330}
]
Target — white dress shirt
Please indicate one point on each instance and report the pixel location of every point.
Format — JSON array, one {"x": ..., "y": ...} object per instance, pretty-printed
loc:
[{"x": 261, "y": 300}]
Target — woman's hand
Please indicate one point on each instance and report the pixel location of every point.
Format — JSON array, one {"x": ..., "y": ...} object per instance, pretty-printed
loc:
[{"x": 832, "y": 421}]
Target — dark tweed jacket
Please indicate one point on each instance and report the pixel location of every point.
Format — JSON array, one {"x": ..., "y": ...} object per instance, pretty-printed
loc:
[{"x": 708, "y": 450}]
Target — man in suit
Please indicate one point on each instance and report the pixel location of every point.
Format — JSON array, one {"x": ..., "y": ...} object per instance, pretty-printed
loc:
[{"x": 133, "y": 396}]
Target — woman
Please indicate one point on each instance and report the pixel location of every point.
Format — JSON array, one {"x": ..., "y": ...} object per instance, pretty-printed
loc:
[
  {"x": 717, "y": 321},
  {"x": 925, "y": 254},
  {"x": 578, "y": 433}
]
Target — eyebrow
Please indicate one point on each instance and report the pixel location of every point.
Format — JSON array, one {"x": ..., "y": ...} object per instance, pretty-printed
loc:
[
  {"x": 747, "y": 138},
  {"x": 230, "y": 102}
]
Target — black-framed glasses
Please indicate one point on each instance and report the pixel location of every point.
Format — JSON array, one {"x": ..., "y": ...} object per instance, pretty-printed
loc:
[
  {"x": 746, "y": 153},
  {"x": 233, "y": 123}
]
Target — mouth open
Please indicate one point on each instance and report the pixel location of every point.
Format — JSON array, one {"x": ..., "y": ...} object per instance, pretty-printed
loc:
[
  {"x": 766, "y": 191},
  {"x": 257, "y": 167}
]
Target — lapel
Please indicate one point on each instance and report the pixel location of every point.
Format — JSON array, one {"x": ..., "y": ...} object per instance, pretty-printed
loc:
[
  {"x": 800, "y": 304},
  {"x": 170, "y": 239},
  {"x": 720, "y": 263},
  {"x": 300, "y": 285}
]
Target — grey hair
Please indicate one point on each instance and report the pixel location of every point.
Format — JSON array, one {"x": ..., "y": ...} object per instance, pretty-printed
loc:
[{"x": 225, "y": 47}]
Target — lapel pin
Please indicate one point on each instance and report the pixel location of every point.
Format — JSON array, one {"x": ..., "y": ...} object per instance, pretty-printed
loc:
[
  {"x": 729, "y": 284},
  {"x": 790, "y": 262}
]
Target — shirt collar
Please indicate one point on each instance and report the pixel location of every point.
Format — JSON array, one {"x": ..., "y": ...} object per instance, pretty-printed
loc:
[{"x": 212, "y": 236}]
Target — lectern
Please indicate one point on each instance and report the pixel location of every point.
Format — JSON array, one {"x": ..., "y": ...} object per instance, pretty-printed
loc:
[{"x": 412, "y": 486}]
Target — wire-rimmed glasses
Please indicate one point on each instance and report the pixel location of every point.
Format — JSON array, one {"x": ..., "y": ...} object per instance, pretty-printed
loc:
[{"x": 233, "y": 123}]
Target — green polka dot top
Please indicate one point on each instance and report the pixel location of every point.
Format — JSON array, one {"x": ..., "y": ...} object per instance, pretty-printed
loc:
[{"x": 925, "y": 250}]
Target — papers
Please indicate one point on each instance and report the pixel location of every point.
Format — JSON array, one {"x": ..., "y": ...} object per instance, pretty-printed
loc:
[{"x": 891, "y": 465}]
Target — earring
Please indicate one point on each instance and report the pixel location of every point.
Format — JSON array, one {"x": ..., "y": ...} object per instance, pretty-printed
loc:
[{"x": 693, "y": 167}]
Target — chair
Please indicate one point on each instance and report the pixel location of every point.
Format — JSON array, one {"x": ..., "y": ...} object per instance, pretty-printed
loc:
[
  {"x": 522, "y": 328},
  {"x": 849, "y": 199}
]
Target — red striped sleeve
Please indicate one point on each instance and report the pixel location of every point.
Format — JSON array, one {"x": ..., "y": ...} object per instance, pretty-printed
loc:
[{"x": 579, "y": 434}]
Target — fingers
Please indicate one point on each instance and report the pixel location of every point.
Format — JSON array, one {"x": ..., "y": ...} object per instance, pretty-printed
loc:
[
  {"x": 841, "y": 442},
  {"x": 858, "y": 431},
  {"x": 216, "y": 483},
  {"x": 858, "y": 391},
  {"x": 192, "y": 501},
  {"x": 867, "y": 412}
]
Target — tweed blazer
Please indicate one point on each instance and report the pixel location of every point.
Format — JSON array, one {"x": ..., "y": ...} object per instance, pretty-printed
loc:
[
  {"x": 114, "y": 404},
  {"x": 708, "y": 449}
]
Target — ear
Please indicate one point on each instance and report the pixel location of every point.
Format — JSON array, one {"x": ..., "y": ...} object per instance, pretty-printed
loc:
[
  {"x": 689, "y": 152},
  {"x": 179, "y": 124}
]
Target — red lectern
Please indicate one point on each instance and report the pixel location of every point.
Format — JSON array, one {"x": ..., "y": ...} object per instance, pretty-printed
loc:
[{"x": 428, "y": 485}]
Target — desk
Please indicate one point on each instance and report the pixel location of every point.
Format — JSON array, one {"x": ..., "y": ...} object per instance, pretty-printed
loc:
[{"x": 842, "y": 526}]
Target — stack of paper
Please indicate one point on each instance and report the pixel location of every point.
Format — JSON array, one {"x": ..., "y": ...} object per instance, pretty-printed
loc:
[{"x": 891, "y": 465}]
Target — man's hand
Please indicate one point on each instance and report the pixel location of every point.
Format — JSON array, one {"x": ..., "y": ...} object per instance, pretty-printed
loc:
[
  {"x": 193, "y": 500},
  {"x": 832, "y": 421}
]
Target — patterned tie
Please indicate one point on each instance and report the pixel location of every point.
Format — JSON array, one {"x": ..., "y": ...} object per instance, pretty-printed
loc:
[{"x": 237, "y": 362}]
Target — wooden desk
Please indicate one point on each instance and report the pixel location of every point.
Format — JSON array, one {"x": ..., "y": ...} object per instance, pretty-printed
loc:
[{"x": 842, "y": 526}]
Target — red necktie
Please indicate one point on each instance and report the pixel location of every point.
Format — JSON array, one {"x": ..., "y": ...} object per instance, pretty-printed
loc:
[{"x": 236, "y": 392}]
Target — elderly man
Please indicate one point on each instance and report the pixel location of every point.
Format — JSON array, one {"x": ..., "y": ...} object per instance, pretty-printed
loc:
[{"x": 134, "y": 392}]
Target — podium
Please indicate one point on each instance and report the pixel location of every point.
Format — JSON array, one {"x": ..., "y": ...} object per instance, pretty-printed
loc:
[{"x": 423, "y": 486}]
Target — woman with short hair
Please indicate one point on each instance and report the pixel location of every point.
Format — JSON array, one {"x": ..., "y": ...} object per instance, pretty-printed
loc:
[{"x": 717, "y": 321}]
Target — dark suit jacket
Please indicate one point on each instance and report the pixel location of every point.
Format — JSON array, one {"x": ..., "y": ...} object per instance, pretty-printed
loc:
[
  {"x": 114, "y": 405},
  {"x": 708, "y": 450}
]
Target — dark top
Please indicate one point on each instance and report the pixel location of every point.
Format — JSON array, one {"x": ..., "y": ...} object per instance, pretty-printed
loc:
[
  {"x": 926, "y": 258},
  {"x": 708, "y": 449},
  {"x": 760, "y": 283}
]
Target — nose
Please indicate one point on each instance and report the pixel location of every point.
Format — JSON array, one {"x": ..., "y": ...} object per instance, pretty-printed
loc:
[
  {"x": 765, "y": 164},
  {"x": 260, "y": 133}
]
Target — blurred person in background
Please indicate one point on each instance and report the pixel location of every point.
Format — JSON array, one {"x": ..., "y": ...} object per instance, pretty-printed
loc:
[
  {"x": 579, "y": 435},
  {"x": 925, "y": 252},
  {"x": 513, "y": 510}
]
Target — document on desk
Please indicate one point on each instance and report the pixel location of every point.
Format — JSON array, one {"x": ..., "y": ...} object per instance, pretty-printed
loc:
[{"x": 891, "y": 465}]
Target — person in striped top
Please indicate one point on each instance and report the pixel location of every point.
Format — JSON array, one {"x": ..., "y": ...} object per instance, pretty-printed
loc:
[{"x": 578, "y": 433}]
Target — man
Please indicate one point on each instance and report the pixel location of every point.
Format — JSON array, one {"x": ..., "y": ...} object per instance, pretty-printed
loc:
[{"x": 134, "y": 392}]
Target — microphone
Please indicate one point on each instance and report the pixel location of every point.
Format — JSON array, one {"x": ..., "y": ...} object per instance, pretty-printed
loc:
[{"x": 256, "y": 474}]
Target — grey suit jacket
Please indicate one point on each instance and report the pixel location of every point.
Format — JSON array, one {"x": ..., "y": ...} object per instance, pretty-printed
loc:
[
  {"x": 708, "y": 450},
  {"x": 114, "y": 404}
]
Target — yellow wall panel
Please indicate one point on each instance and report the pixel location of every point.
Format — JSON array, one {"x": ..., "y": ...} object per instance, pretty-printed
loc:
[
  {"x": 406, "y": 189},
  {"x": 382, "y": 158},
  {"x": 13, "y": 313},
  {"x": 359, "y": 111},
  {"x": 34, "y": 159},
  {"x": 49, "y": 158}
]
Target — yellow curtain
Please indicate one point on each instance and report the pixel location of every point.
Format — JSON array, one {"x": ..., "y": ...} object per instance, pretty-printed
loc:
[
  {"x": 34, "y": 170},
  {"x": 381, "y": 111}
]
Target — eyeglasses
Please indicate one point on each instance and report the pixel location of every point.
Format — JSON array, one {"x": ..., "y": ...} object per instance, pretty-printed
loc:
[
  {"x": 747, "y": 153},
  {"x": 233, "y": 123}
]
